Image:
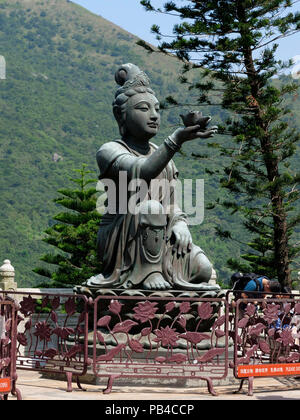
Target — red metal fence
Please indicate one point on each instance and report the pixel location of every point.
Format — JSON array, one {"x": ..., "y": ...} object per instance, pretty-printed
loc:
[
  {"x": 160, "y": 337},
  {"x": 8, "y": 333},
  {"x": 149, "y": 337},
  {"x": 52, "y": 333},
  {"x": 265, "y": 332}
]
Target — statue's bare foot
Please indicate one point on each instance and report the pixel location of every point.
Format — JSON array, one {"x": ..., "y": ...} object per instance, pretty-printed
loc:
[
  {"x": 156, "y": 282},
  {"x": 95, "y": 281}
]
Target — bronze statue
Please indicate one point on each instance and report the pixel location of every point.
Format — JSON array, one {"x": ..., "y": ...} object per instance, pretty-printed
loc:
[{"x": 151, "y": 248}]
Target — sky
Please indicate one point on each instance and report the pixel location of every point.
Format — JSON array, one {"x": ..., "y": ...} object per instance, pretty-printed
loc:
[{"x": 131, "y": 16}]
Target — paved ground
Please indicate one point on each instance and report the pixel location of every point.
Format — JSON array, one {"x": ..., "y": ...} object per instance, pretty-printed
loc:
[{"x": 34, "y": 387}]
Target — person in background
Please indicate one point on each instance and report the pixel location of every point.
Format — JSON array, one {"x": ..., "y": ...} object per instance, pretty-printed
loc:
[
  {"x": 261, "y": 284},
  {"x": 248, "y": 285},
  {"x": 243, "y": 284}
]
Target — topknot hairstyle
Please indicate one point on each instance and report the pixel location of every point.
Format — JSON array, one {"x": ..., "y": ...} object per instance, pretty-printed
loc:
[
  {"x": 130, "y": 75},
  {"x": 131, "y": 81}
]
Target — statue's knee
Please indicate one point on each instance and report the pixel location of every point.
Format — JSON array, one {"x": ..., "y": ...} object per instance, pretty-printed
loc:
[{"x": 151, "y": 213}]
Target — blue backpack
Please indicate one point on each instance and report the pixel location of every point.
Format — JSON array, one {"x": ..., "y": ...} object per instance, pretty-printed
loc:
[{"x": 240, "y": 280}]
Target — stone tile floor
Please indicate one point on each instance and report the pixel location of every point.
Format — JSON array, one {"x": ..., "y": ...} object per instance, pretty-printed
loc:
[{"x": 35, "y": 387}]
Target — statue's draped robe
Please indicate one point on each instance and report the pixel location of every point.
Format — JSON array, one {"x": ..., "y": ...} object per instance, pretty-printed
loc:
[{"x": 118, "y": 244}]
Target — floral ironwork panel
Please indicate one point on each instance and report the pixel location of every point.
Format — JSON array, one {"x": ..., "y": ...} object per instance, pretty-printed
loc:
[
  {"x": 266, "y": 331},
  {"x": 52, "y": 333},
  {"x": 166, "y": 337}
]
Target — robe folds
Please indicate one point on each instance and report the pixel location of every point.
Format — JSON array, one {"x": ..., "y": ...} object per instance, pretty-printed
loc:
[{"x": 118, "y": 237}]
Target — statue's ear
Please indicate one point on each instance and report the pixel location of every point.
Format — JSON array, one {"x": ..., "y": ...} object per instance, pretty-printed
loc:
[
  {"x": 120, "y": 118},
  {"x": 117, "y": 113}
]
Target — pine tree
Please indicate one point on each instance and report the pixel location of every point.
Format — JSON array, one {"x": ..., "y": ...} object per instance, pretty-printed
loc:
[
  {"x": 233, "y": 44},
  {"x": 74, "y": 236}
]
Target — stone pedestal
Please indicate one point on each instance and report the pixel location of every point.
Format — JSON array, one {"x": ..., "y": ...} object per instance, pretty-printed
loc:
[{"x": 7, "y": 276}]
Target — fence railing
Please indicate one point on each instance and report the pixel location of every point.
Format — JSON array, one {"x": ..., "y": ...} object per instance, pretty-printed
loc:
[
  {"x": 155, "y": 336},
  {"x": 8, "y": 334},
  {"x": 52, "y": 334},
  {"x": 160, "y": 337},
  {"x": 265, "y": 332}
]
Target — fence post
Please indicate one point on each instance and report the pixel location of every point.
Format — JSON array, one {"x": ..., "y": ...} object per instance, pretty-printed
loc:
[{"x": 7, "y": 276}]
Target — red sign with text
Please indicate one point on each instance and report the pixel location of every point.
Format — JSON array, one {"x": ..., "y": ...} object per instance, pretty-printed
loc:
[
  {"x": 5, "y": 385},
  {"x": 244, "y": 371}
]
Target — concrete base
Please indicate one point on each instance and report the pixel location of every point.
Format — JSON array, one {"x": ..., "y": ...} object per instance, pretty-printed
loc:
[
  {"x": 158, "y": 382},
  {"x": 90, "y": 378},
  {"x": 34, "y": 387}
]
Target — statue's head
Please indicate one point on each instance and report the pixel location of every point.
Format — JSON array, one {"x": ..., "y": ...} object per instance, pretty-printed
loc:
[{"x": 135, "y": 107}]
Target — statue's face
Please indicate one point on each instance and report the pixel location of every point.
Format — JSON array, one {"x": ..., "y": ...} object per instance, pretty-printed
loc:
[{"x": 142, "y": 116}]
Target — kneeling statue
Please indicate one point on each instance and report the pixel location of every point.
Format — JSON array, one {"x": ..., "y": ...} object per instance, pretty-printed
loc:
[{"x": 150, "y": 248}]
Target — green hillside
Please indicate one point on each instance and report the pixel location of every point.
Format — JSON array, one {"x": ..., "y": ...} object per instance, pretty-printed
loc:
[{"x": 56, "y": 112}]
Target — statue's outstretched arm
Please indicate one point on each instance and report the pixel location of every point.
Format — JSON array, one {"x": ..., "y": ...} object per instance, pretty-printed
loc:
[
  {"x": 153, "y": 165},
  {"x": 150, "y": 167}
]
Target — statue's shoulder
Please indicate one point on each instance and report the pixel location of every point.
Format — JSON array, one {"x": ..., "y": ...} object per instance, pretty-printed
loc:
[
  {"x": 110, "y": 150},
  {"x": 113, "y": 147},
  {"x": 108, "y": 153}
]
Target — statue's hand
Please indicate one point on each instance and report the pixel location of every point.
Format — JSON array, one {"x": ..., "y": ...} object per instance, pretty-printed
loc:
[
  {"x": 183, "y": 238},
  {"x": 183, "y": 134}
]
